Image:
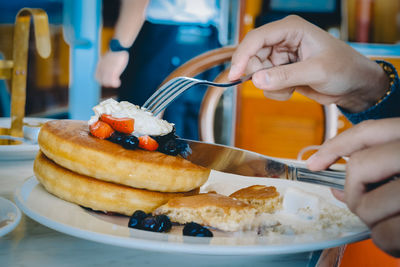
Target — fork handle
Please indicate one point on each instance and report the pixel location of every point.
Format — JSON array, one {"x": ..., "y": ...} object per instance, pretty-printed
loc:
[
  {"x": 246, "y": 78},
  {"x": 229, "y": 84}
]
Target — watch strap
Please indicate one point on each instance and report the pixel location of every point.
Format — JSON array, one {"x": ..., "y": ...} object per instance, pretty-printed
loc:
[{"x": 116, "y": 46}]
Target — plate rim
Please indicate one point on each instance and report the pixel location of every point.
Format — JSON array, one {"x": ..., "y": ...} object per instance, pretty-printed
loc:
[
  {"x": 162, "y": 246},
  {"x": 11, "y": 226},
  {"x": 20, "y": 152}
]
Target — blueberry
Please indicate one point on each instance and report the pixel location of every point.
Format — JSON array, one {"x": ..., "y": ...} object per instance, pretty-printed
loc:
[
  {"x": 195, "y": 229},
  {"x": 163, "y": 223},
  {"x": 169, "y": 147},
  {"x": 183, "y": 148},
  {"x": 158, "y": 138},
  {"x": 116, "y": 138},
  {"x": 161, "y": 139},
  {"x": 150, "y": 224},
  {"x": 130, "y": 142},
  {"x": 135, "y": 221}
]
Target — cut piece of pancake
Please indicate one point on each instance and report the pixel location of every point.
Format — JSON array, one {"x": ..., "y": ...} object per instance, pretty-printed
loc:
[
  {"x": 264, "y": 198},
  {"x": 212, "y": 210},
  {"x": 96, "y": 194},
  {"x": 69, "y": 144}
]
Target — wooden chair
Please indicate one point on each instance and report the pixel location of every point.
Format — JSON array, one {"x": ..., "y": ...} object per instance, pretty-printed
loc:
[{"x": 15, "y": 69}]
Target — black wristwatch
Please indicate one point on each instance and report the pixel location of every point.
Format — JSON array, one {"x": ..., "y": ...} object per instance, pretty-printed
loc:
[{"x": 116, "y": 46}]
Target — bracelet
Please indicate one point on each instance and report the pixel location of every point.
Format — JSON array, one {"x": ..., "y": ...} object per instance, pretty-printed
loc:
[
  {"x": 385, "y": 107},
  {"x": 390, "y": 72}
]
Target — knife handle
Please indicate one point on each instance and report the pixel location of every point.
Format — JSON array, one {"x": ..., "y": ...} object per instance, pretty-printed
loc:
[
  {"x": 331, "y": 178},
  {"x": 335, "y": 179}
]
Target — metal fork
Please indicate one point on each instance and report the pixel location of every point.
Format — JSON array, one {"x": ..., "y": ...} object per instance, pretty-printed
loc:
[{"x": 167, "y": 93}]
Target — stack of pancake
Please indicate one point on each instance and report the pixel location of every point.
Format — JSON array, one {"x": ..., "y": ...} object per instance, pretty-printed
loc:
[{"x": 101, "y": 175}]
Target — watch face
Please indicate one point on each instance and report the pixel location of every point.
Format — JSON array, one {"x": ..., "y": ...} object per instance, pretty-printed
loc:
[{"x": 116, "y": 46}]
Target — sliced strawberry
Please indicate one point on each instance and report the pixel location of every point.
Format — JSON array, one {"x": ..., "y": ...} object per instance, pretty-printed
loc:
[
  {"x": 122, "y": 125},
  {"x": 147, "y": 143},
  {"x": 101, "y": 130}
]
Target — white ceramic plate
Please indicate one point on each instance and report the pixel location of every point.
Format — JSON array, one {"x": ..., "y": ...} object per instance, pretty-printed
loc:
[
  {"x": 26, "y": 150},
  {"x": 74, "y": 220},
  {"x": 10, "y": 216}
]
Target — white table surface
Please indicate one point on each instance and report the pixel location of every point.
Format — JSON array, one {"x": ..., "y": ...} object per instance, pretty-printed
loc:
[{"x": 32, "y": 244}]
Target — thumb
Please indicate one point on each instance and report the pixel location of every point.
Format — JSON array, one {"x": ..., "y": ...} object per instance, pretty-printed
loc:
[
  {"x": 338, "y": 194},
  {"x": 286, "y": 76},
  {"x": 116, "y": 82}
]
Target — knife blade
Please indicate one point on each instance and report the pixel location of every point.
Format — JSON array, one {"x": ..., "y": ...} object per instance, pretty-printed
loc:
[{"x": 247, "y": 163}]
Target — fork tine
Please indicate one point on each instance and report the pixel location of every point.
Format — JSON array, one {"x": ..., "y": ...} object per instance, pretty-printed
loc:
[
  {"x": 159, "y": 91},
  {"x": 171, "y": 97},
  {"x": 167, "y": 93}
]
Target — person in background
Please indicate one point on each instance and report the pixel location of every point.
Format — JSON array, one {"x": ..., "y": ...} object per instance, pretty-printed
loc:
[
  {"x": 151, "y": 39},
  {"x": 294, "y": 55}
]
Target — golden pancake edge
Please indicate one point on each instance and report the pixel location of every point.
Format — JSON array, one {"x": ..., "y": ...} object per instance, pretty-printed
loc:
[
  {"x": 210, "y": 209},
  {"x": 264, "y": 198},
  {"x": 97, "y": 194},
  {"x": 70, "y": 145}
]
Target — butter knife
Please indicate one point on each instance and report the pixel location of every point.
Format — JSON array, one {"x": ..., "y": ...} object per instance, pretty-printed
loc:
[{"x": 243, "y": 162}]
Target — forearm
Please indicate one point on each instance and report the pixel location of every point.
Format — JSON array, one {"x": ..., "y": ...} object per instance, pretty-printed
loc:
[
  {"x": 130, "y": 21},
  {"x": 389, "y": 106}
]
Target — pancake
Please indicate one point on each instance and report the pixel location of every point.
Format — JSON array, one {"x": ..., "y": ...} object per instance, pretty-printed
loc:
[
  {"x": 212, "y": 210},
  {"x": 69, "y": 144},
  {"x": 264, "y": 198},
  {"x": 97, "y": 194}
]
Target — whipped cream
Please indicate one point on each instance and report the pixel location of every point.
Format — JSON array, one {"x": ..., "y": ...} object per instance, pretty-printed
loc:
[{"x": 145, "y": 122}]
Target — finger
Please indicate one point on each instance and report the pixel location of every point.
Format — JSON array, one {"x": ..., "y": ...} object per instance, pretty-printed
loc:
[
  {"x": 370, "y": 166},
  {"x": 259, "y": 61},
  {"x": 338, "y": 194},
  {"x": 321, "y": 98},
  {"x": 114, "y": 79},
  {"x": 106, "y": 79},
  {"x": 386, "y": 235},
  {"x": 380, "y": 204},
  {"x": 267, "y": 64},
  {"x": 263, "y": 53},
  {"x": 100, "y": 71},
  {"x": 254, "y": 65},
  {"x": 281, "y": 95},
  {"x": 287, "y": 76},
  {"x": 116, "y": 82},
  {"x": 280, "y": 57},
  {"x": 265, "y": 36},
  {"x": 363, "y": 135}
]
